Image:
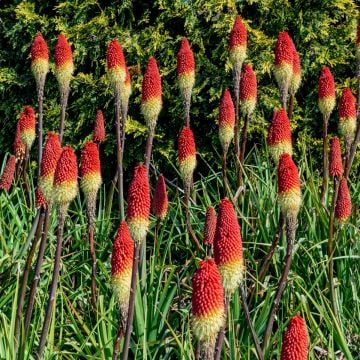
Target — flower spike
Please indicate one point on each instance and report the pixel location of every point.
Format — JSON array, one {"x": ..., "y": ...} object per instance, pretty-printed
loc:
[
  {"x": 343, "y": 202},
  {"x": 335, "y": 161},
  {"x": 326, "y": 92},
  {"x": 248, "y": 90},
  {"x": 226, "y": 120},
  {"x": 7, "y": 177},
  {"x": 238, "y": 42},
  {"x": 160, "y": 199}
]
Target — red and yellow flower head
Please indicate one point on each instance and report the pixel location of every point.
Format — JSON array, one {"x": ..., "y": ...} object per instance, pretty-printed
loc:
[
  {"x": 40, "y": 201},
  {"x": 210, "y": 226},
  {"x": 343, "y": 202},
  {"x": 65, "y": 177},
  {"x": 7, "y": 177},
  {"x": 289, "y": 192},
  {"x": 116, "y": 66},
  {"x": 279, "y": 135},
  {"x": 18, "y": 146},
  {"x": 186, "y": 153},
  {"x": 121, "y": 267},
  {"x": 27, "y": 126},
  {"x": 99, "y": 128},
  {"x": 238, "y": 42},
  {"x": 138, "y": 200},
  {"x": 228, "y": 251},
  {"x": 90, "y": 171},
  {"x": 151, "y": 96},
  {"x": 226, "y": 120},
  {"x": 64, "y": 65},
  {"x": 284, "y": 59},
  {"x": 335, "y": 161},
  {"x": 296, "y": 77},
  {"x": 51, "y": 154},
  {"x": 347, "y": 114},
  {"x": 39, "y": 58},
  {"x": 207, "y": 302},
  {"x": 326, "y": 92},
  {"x": 185, "y": 68},
  {"x": 295, "y": 345},
  {"x": 160, "y": 199},
  {"x": 248, "y": 90}
]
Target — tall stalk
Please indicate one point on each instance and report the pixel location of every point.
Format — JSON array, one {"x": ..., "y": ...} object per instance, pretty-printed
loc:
[
  {"x": 236, "y": 85},
  {"x": 64, "y": 95},
  {"x": 221, "y": 335},
  {"x": 325, "y": 182}
]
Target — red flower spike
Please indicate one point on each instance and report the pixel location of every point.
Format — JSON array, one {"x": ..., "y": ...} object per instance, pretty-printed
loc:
[
  {"x": 326, "y": 91},
  {"x": 18, "y": 146},
  {"x": 343, "y": 202},
  {"x": 27, "y": 126},
  {"x": 51, "y": 154},
  {"x": 238, "y": 42},
  {"x": 64, "y": 66},
  {"x": 99, "y": 128},
  {"x": 65, "y": 177},
  {"x": 151, "y": 96},
  {"x": 116, "y": 66},
  {"x": 210, "y": 226},
  {"x": 186, "y": 153},
  {"x": 288, "y": 186},
  {"x": 7, "y": 177},
  {"x": 40, "y": 201},
  {"x": 347, "y": 114},
  {"x": 248, "y": 90},
  {"x": 335, "y": 161},
  {"x": 228, "y": 251},
  {"x": 284, "y": 57},
  {"x": 90, "y": 172},
  {"x": 185, "y": 68},
  {"x": 138, "y": 201},
  {"x": 121, "y": 266},
  {"x": 226, "y": 120},
  {"x": 279, "y": 135},
  {"x": 295, "y": 340},
  {"x": 296, "y": 78},
  {"x": 207, "y": 301},
  {"x": 39, "y": 58},
  {"x": 160, "y": 199}
]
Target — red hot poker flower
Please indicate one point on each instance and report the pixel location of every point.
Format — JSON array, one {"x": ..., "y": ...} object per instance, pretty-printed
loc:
[
  {"x": 40, "y": 201},
  {"x": 27, "y": 126},
  {"x": 39, "y": 58},
  {"x": 151, "y": 96},
  {"x": 7, "y": 177},
  {"x": 248, "y": 90},
  {"x": 138, "y": 201},
  {"x": 116, "y": 66},
  {"x": 295, "y": 340},
  {"x": 343, "y": 202},
  {"x": 99, "y": 129},
  {"x": 228, "y": 251},
  {"x": 326, "y": 92},
  {"x": 238, "y": 42},
  {"x": 226, "y": 120},
  {"x": 160, "y": 199},
  {"x": 335, "y": 161},
  {"x": 207, "y": 301},
  {"x": 18, "y": 145},
  {"x": 210, "y": 226},
  {"x": 186, "y": 153},
  {"x": 185, "y": 68},
  {"x": 288, "y": 186},
  {"x": 64, "y": 65},
  {"x": 279, "y": 135},
  {"x": 347, "y": 114}
]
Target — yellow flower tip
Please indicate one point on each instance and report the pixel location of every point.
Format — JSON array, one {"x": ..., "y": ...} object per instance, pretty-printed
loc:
[
  {"x": 295, "y": 83},
  {"x": 65, "y": 192},
  {"x": 151, "y": 109},
  {"x": 232, "y": 273},
  {"x": 206, "y": 327},
  {"x": 283, "y": 74},
  {"x": 90, "y": 183},
  {"x": 237, "y": 55},
  {"x": 326, "y": 105},
  {"x": 186, "y": 82},
  {"x": 121, "y": 286},
  {"x": 64, "y": 74},
  {"x": 187, "y": 167},
  {"x": 138, "y": 227},
  {"x": 248, "y": 106},
  {"x": 40, "y": 68},
  {"x": 226, "y": 134},
  {"x": 46, "y": 184},
  {"x": 280, "y": 148},
  {"x": 347, "y": 127},
  {"x": 290, "y": 202},
  {"x": 117, "y": 77},
  {"x": 28, "y": 137}
]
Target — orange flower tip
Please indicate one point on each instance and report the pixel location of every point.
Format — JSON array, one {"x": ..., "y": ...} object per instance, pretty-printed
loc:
[
  {"x": 288, "y": 186},
  {"x": 279, "y": 135},
  {"x": 347, "y": 114},
  {"x": 18, "y": 146},
  {"x": 39, "y": 57},
  {"x": 335, "y": 161},
  {"x": 27, "y": 126},
  {"x": 284, "y": 58},
  {"x": 40, "y": 201},
  {"x": 65, "y": 177},
  {"x": 210, "y": 226},
  {"x": 64, "y": 66},
  {"x": 343, "y": 203},
  {"x": 138, "y": 201},
  {"x": 7, "y": 177},
  {"x": 238, "y": 42},
  {"x": 296, "y": 77},
  {"x": 226, "y": 120},
  {"x": 151, "y": 96},
  {"x": 99, "y": 128},
  {"x": 51, "y": 154},
  {"x": 160, "y": 199},
  {"x": 90, "y": 172},
  {"x": 116, "y": 66},
  {"x": 228, "y": 251},
  {"x": 121, "y": 265},
  {"x": 186, "y": 153},
  {"x": 295, "y": 345},
  {"x": 248, "y": 90},
  {"x": 207, "y": 301},
  {"x": 326, "y": 91}
]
